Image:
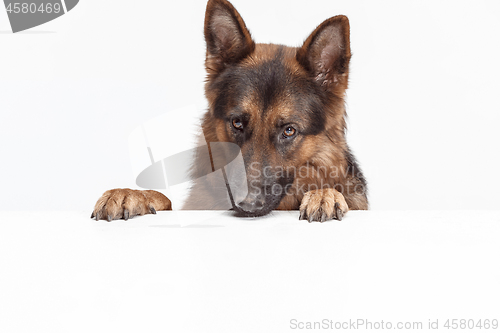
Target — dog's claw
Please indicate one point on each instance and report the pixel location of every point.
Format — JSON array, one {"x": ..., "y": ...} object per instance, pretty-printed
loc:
[
  {"x": 152, "y": 210},
  {"x": 302, "y": 215},
  {"x": 109, "y": 218},
  {"x": 97, "y": 216},
  {"x": 92, "y": 215},
  {"x": 126, "y": 214},
  {"x": 338, "y": 211},
  {"x": 323, "y": 217}
]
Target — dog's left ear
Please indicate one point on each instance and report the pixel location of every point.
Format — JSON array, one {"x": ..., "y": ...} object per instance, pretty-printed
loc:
[
  {"x": 227, "y": 37},
  {"x": 326, "y": 53}
]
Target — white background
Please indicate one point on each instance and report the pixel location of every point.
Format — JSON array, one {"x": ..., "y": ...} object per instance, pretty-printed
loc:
[
  {"x": 423, "y": 118},
  {"x": 423, "y": 99}
]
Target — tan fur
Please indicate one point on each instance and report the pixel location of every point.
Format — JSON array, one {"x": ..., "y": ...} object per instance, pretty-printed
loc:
[
  {"x": 329, "y": 187},
  {"x": 323, "y": 204},
  {"x": 125, "y": 203}
]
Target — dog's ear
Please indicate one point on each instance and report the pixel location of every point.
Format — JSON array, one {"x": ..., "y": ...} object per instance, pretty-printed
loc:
[
  {"x": 228, "y": 39},
  {"x": 326, "y": 53}
]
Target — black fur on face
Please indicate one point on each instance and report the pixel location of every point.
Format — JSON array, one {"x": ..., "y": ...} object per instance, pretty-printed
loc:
[
  {"x": 283, "y": 106},
  {"x": 260, "y": 100},
  {"x": 269, "y": 84}
]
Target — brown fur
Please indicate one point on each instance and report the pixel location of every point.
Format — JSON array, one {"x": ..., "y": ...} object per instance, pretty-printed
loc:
[
  {"x": 270, "y": 89},
  {"x": 126, "y": 203}
]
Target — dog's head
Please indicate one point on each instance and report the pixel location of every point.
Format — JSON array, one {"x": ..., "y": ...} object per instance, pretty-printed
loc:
[{"x": 279, "y": 104}]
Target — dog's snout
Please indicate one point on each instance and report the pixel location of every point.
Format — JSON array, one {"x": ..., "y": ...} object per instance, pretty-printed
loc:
[{"x": 251, "y": 204}]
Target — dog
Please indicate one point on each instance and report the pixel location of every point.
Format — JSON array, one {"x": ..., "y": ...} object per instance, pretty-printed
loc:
[{"x": 284, "y": 108}]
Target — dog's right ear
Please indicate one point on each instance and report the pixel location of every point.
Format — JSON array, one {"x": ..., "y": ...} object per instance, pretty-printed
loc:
[{"x": 227, "y": 37}]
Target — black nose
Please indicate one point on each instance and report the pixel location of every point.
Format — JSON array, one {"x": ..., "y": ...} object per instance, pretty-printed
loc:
[{"x": 251, "y": 205}]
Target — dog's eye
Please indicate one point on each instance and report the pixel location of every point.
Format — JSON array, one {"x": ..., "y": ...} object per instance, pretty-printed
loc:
[
  {"x": 237, "y": 124},
  {"x": 289, "y": 132}
]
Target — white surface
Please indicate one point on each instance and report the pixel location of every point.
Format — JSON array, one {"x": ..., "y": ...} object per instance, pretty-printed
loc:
[
  {"x": 62, "y": 272},
  {"x": 423, "y": 99}
]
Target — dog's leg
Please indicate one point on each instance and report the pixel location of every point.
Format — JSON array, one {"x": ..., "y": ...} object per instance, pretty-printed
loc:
[
  {"x": 322, "y": 205},
  {"x": 126, "y": 203}
]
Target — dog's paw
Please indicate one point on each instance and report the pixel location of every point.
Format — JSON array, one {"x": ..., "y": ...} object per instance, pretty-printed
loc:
[
  {"x": 322, "y": 205},
  {"x": 126, "y": 203}
]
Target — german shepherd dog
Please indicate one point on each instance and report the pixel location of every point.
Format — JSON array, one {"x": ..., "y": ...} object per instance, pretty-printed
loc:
[{"x": 284, "y": 107}]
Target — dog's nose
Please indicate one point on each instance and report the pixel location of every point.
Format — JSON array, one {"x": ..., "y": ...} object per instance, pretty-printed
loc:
[{"x": 251, "y": 205}]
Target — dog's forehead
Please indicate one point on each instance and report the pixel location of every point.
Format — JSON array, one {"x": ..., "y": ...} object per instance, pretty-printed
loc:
[
  {"x": 280, "y": 110},
  {"x": 264, "y": 53},
  {"x": 269, "y": 81},
  {"x": 270, "y": 87}
]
